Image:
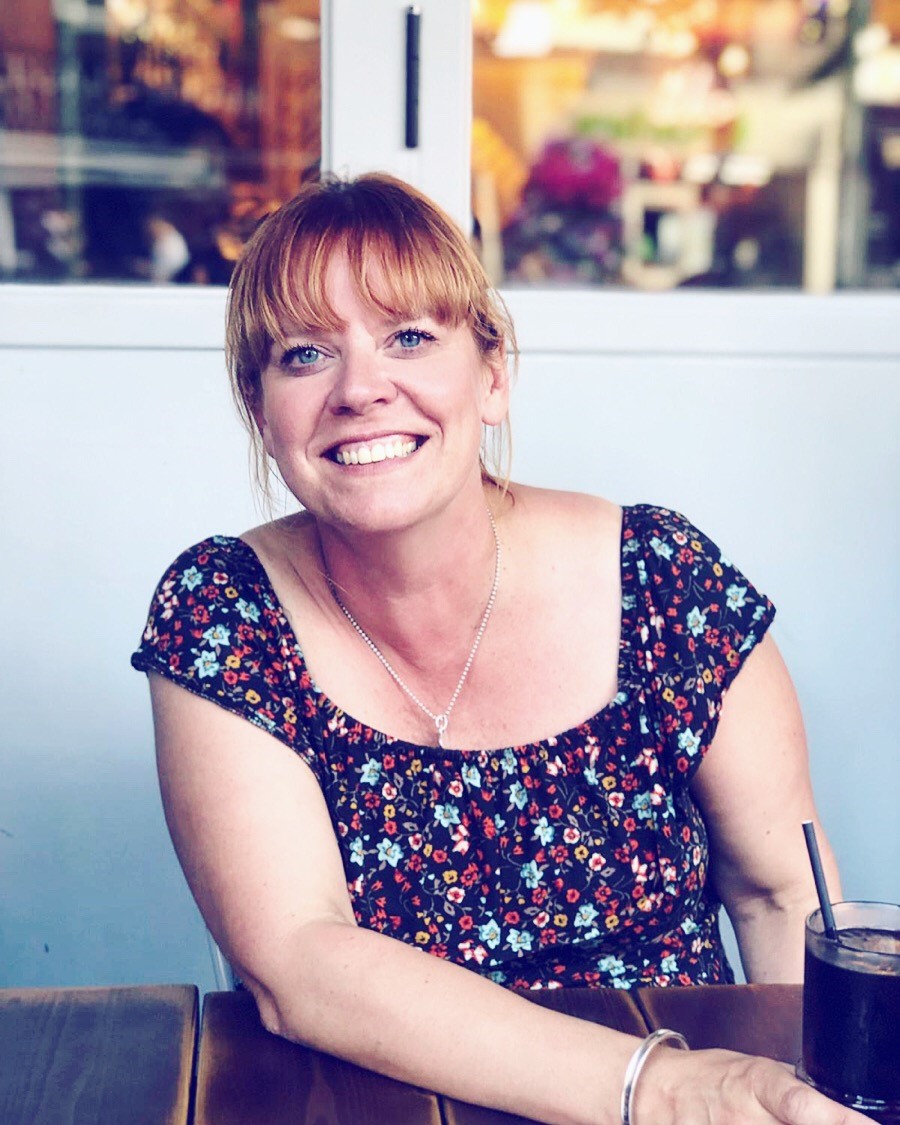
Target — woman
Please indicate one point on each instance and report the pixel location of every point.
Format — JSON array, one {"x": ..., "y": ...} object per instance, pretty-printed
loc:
[{"x": 651, "y": 758}]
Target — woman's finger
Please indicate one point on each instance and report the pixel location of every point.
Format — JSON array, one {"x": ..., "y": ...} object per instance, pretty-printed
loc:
[{"x": 792, "y": 1102}]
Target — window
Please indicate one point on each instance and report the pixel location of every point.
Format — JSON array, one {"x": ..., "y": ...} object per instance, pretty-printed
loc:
[
  {"x": 662, "y": 143},
  {"x": 142, "y": 140}
]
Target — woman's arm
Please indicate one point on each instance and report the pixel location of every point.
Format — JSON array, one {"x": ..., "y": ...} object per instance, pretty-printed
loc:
[
  {"x": 254, "y": 837},
  {"x": 256, "y": 843},
  {"x": 754, "y": 790}
]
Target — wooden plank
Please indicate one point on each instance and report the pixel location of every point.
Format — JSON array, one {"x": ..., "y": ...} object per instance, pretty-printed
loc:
[
  {"x": 754, "y": 1018},
  {"x": 91, "y": 1056},
  {"x": 245, "y": 1074},
  {"x": 608, "y": 1006}
]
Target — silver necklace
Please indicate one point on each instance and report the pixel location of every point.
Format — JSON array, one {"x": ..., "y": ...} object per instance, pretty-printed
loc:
[{"x": 440, "y": 721}]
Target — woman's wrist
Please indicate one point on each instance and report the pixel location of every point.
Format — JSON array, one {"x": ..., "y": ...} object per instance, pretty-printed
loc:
[{"x": 663, "y": 1036}]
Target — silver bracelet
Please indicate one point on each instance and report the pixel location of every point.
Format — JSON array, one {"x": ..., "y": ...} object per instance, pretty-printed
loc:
[{"x": 636, "y": 1065}]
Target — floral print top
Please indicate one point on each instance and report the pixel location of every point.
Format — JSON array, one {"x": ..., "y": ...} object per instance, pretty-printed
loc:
[{"x": 577, "y": 860}]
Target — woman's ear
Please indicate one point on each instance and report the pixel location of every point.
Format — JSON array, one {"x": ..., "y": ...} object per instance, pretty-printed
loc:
[
  {"x": 495, "y": 406},
  {"x": 259, "y": 418}
]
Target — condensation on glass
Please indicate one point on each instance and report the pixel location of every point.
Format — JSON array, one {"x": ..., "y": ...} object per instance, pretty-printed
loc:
[
  {"x": 142, "y": 140},
  {"x": 663, "y": 143}
]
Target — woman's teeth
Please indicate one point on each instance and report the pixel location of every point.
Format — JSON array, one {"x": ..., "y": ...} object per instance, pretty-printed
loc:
[{"x": 379, "y": 451}]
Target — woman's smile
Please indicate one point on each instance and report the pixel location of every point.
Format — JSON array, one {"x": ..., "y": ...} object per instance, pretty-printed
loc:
[{"x": 371, "y": 452}]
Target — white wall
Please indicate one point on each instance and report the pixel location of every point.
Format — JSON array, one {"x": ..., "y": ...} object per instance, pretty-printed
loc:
[{"x": 772, "y": 422}]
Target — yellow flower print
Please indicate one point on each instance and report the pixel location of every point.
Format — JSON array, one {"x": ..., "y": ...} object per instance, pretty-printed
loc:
[
  {"x": 252, "y": 697},
  {"x": 612, "y": 921},
  {"x": 232, "y": 661},
  {"x": 290, "y": 716},
  {"x": 581, "y": 853},
  {"x": 608, "y": 782},
  {"x": 422, "y": 938},
  {"x": 389, "y": 812},
  {"x": 427, "y": 850},
  {"x": 668, "y": 695},
  {"x": 707, "y": 675},
  {"x": 230, "y": 592},
  {"x": 717, "y": 570},
  {"x": 450, "y": 877},
  {"x": 696, "y": 544},
  {"x": 560, "y": 921}
]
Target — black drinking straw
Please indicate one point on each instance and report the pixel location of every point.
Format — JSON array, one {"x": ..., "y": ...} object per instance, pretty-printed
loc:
[{"x": 812, "y": 846}]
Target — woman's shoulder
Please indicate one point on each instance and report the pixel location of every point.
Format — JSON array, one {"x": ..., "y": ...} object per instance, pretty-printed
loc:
[{"x": 569, "y": 518}]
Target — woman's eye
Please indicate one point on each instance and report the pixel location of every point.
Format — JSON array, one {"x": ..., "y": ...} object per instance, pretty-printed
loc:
[
  {"x": 411, "y": 338},
  {"x": 304, "y": 356}
]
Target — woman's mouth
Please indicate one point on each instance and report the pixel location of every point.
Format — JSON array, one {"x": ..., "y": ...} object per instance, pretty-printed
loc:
[{"x": 371, "y": 452}]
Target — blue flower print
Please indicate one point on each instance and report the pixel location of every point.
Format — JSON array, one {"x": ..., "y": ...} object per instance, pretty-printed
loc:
[
  {"x": 389, "y": 852},
  {"x": 446, "y": 815},
  {"x": 489, "y": 933},
  {"x": 689, "y": 742},
  {"x": 518, "y": 795},
  {"x": 515, "y": 863},
  {"x": 471, "y": 776},
  {"x": 736, "y": 596},
  {"x": 249, "y": 611},
  {"x": 611, "y": 965},
  {"x": 544, "y": 831},
  {"x": 370, "y": 772},
  {"x": 696, "y": 621},
  {"x": 191, "y": 578},
  {"x": 206, "y": 665},
  {"x": 531, "y": 873},
  {"x": 519, "y": 942},
  {"x": 509, "y": 763},
  {"x": 217, "y": 635},
  {"x": 585, "y": 915}
]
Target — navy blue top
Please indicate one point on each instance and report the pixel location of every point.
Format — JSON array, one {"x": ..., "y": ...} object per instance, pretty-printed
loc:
[{"x": 577, "y": 860}]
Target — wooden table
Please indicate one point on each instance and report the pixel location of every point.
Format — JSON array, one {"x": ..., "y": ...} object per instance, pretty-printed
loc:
[
  {"x": 247, "y": 1075},
  {"x": 97, "y": 1056}
]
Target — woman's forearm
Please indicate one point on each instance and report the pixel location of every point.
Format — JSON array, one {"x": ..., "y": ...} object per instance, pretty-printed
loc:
[{"x": 393, "y": 1009}]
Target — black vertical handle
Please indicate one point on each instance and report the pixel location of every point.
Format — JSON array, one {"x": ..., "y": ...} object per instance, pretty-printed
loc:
[{"x": 413, "y": 30}]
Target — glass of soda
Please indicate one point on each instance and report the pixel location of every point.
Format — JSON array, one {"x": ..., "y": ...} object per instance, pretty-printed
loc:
[{"x": 851, "y": 1008}]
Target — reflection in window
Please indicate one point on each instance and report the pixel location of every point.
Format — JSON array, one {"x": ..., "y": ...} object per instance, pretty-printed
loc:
[
  {"x": 144, "y": 139},
  {"x": 658, "y": 143}
]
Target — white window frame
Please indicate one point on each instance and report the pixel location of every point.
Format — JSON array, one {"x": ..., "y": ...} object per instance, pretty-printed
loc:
[{"x": 363, "y": 115}]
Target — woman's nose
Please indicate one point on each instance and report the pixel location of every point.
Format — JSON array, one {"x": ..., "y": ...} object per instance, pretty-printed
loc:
[{"x": 361, "y": 383}]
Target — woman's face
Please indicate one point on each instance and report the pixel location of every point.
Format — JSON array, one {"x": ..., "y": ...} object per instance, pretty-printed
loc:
[{"x": 377, "y": 426}]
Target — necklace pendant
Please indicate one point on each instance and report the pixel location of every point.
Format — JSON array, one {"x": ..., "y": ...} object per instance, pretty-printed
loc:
[{"x": 440, "y": 723}]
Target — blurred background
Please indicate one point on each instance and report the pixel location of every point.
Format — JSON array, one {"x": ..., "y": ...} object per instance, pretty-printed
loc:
[{"x": 636, "y": 143}]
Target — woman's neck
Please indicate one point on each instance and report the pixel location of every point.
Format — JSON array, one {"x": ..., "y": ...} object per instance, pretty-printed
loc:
[{"x": 419, "y": 593}]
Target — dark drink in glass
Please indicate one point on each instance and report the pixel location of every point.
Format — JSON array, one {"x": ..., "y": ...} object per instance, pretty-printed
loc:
[{"x": 851, "y": 1008}]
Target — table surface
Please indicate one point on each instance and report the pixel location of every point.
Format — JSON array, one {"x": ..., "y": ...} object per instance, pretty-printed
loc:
[
  {"x": 245, "y": 1074},
  {"x": 94, "y": 1056}
]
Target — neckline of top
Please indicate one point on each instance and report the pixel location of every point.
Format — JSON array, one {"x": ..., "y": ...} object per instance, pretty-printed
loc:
[{"x": 627, "y": 678}]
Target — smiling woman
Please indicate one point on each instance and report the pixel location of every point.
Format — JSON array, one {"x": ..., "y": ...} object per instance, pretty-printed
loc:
[
  {"x": 404, "y": 259},
  {"x": 530, "y": 733}
]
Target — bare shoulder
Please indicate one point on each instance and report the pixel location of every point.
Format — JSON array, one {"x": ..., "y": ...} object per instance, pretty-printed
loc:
[{"x": 572, "y": 524}]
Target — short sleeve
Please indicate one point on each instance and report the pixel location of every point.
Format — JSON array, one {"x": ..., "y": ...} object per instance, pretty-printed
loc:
[
  {"x": 701, "y": 619},
  {"x": 215, "y": 629}
]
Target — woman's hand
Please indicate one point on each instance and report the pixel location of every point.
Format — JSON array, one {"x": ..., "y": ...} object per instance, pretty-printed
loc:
[{"x": 726, "y": 1088}]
